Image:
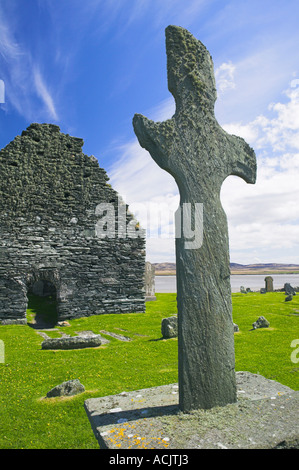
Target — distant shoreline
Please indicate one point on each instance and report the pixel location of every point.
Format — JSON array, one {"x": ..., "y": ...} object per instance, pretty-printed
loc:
[
  {"x": 234, "y": 273},
  {"x": 169, "y": 269}
]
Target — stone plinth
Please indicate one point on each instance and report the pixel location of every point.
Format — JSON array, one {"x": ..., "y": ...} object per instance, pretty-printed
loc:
[{"x": 264, "y": 417}]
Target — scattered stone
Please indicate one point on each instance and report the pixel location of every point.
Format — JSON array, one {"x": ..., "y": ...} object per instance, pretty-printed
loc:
[
  {"x": 64, "y": 335},
  {"x": 85, "y": 333},
  {"x": 63, "y": 323},
  {"x": 263, "y": 290},
  {"x": 288, "y": 298},
  {"x": 245, "y": 291},
  {"x": 289, "y": 289},
  {"x": 73, "y": 342},
  {"x": 89, "y": 333},
  {"x": 169, "y": 327},
  {"x": 116, "y": 336},
  {"x": 43, "y": 334},
  {"x": 261, "y": 322},
  {"x": 19, "y": 321},
  {"x": 66, "y": 389}
]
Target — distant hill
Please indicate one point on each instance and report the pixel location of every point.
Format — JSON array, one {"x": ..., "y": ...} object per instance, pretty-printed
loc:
[
  {"x": 261, "y": 268},
  {"x": 165, "y": 268}
]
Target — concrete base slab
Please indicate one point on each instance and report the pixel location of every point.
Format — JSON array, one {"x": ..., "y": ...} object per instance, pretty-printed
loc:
[{"x": 265, "y": 416}]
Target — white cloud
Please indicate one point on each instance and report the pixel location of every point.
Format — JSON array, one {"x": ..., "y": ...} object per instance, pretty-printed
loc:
[
  {"x": 260, "y": 73},
  {"x": 263, "y": 218},
  {"x": 137, "y": 177},
  {"x": 152, "y": 194},
  {"x": 224, "y": 76},
  {"x": 163, "y": 111},
  {"x": 279, "y": 132}
]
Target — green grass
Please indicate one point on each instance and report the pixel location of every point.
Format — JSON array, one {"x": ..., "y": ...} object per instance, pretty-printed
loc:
[
  {"x": 28, "y": 420},
  {"x": 267, "y": 351}
]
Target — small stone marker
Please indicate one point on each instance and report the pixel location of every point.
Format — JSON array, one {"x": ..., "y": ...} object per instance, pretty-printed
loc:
[
  {"x": 169, "y": 327},
  {"x": 269, "y": 284},
  {"x": 199, "y": 154},
  {"x": 66, "y": 389},
  {"x": 261, "y": 322}
]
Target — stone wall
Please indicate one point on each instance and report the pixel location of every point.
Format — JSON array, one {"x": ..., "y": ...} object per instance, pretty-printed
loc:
[{"x": 49, "y": 192}]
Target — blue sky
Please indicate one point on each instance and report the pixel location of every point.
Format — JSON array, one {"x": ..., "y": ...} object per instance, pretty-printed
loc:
[{"x": 90, "y": 66}]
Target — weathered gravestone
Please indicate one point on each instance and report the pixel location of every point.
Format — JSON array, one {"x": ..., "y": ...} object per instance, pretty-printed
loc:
[
  {"x": 199, "y": 154},
  {"x": 73, "y": 342},
  {"x": 269, "y": 284}
]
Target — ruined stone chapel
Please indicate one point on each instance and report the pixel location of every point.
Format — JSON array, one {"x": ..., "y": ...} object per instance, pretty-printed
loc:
[{"x": 49, "y": 194}]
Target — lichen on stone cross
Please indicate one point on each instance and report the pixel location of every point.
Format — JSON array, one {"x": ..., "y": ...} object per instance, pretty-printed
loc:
[{"x": 199, "y": 154}]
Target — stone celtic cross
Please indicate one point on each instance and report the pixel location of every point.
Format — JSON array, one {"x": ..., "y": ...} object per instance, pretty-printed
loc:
[{"x": 199, "y": 154}]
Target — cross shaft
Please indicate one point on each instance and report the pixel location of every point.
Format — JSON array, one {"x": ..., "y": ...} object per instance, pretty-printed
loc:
[{"x": 199, "y": 154}]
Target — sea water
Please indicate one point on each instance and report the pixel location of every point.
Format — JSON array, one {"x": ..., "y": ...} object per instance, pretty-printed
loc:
[{"x": 254, "y": 281}]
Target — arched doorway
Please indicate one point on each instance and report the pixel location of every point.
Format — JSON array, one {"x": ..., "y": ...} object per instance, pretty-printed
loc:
[{"x": 42, "y": 304}]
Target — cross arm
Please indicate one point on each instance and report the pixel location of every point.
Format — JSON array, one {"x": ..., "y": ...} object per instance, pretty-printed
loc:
[
  {"x": 156, "y": 138},
  {"x": 242, "y": 159}
]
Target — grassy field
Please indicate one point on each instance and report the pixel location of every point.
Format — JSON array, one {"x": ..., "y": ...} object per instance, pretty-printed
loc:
[{"x": 29, "y": 420}]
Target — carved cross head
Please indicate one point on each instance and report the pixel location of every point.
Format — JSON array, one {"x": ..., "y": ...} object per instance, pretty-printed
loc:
[{"x": 191, "y": 145}]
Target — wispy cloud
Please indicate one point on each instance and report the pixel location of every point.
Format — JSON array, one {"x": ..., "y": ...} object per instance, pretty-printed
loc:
[
  {"x": 9, "y": 47},
  {"x": 44, "y": 94},
  {"x": 24, "y": 84}
]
